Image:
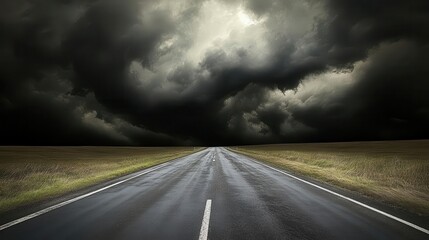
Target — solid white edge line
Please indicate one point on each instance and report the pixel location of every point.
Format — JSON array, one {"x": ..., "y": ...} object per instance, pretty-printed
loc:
[
  {"x": 204, "y": 232},
  {"x": 46, "y": 210},
  {"x": 349, "y": 199}
]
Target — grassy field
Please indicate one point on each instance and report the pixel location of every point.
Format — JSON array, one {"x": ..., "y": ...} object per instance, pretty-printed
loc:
[
  {"x": 396, "y": 172},
  {"x": 33, "y": 174}
]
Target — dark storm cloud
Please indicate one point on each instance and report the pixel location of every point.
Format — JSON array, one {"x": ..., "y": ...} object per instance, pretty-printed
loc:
[
  {"x": 388, "y": 100},
  {"x": 48, "y": 42},
  {"x": 144, "y": 72}
]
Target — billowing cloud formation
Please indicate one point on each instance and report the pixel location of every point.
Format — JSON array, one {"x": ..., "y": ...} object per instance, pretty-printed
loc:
[{"x": 212, "y": 72}]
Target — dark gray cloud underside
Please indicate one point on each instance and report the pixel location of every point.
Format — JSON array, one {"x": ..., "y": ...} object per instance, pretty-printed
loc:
[{"x": 111, "y": 72}]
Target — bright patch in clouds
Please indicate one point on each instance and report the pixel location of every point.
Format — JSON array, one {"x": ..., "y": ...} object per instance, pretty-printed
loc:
[
  {"x": 223, "y": 26},
  {"x": 230, "y": 31},
  {"x": 246, "y": 19}
]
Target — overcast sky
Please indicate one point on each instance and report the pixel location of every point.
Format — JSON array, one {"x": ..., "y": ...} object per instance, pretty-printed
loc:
[{"x": 136, "y": 72}]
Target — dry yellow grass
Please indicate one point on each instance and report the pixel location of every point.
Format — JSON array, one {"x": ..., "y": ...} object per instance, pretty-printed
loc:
[
  {"x": 33, "y": 174},
  {"x": 396, "y": 172}
]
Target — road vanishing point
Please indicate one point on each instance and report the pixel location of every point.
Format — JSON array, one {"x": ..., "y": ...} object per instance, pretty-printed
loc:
[{"x": 211, "y": 194}]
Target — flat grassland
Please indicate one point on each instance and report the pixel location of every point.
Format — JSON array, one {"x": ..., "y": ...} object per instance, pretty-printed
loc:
[
  {"x": 395, "y": 172},
  {"x": 33, "y": 174}
]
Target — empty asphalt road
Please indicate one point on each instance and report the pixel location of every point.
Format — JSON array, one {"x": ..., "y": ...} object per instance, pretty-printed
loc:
[{"x": 214, "y": 193}]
